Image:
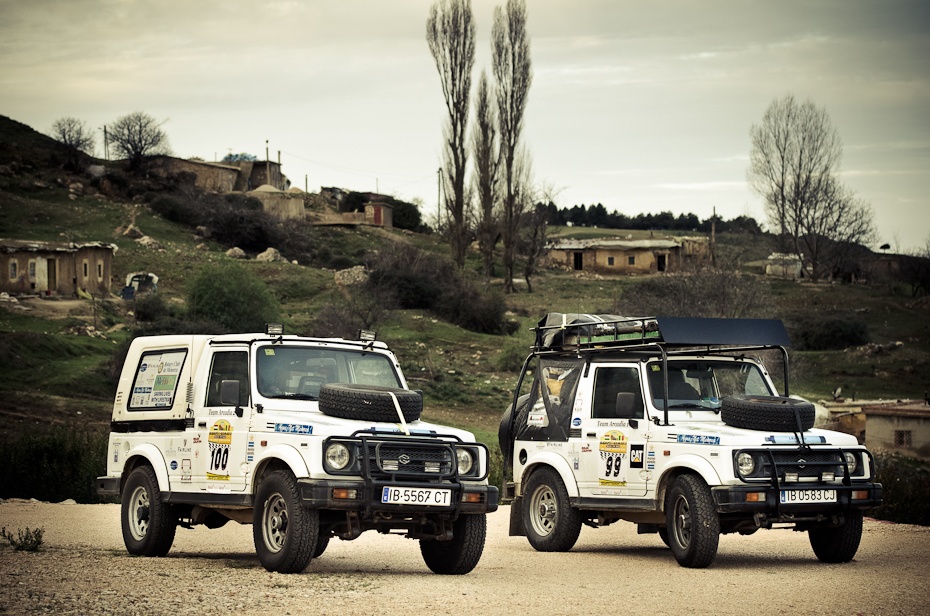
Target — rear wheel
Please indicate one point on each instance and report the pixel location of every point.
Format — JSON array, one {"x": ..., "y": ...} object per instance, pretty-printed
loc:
[
  {"x": 461, "y": 554},
  {"x": 838, "y": 544},
  {"x": 692, "y": 523},
  {"x": 551, "y": 523},
  {"x": 285, "y": 533},
  {"x": 149, "y": 524}
]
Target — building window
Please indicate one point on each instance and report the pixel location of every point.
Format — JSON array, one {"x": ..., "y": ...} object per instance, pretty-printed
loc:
[
  {"x": 610, "y": 261},
  {"x": 902, "y": 438},
  {"x": 86, "y": 267},
  {"x": 32, "y": 270},
  {"x": 14, "y": 270},
  {"x": 99, "y": 270},
  {"x": 631, "y": 260}
]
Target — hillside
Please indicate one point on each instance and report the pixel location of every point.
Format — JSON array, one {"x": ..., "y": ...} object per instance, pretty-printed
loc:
[{"x": 56, "y": 373}]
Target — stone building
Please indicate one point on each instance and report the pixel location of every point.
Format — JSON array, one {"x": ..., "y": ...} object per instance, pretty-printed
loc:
[
  {"x": 617, "y": 256},
  {"x": 55, "y": 268}
]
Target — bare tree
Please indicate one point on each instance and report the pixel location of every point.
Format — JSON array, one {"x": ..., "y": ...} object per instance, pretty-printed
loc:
[
  {"x": 510, "y": 57},
  {"x": 136, "y": 136},
  {"x": 487, "y": 163},
  {"x": 794, "y": 160},
  {"x": 450, "y": 33},
  {"x": 74, "y": 133}
]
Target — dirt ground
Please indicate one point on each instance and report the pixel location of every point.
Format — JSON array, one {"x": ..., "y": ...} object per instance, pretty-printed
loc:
[{"x": 83, "y": 568}]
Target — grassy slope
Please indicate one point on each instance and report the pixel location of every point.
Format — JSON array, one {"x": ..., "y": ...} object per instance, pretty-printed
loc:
[{"x": 466, "y": 377}]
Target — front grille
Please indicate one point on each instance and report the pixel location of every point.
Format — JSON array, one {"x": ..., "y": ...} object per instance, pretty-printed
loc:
[
  {"x": 804, "y": 463},
  {"x": 408, "y": 460}
]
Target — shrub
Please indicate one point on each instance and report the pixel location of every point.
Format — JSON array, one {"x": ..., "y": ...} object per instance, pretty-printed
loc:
[
  {"x": 232, "y": 297},
  {"x": 906, "y": 489},
  {"x": 53, "y": 464},
  {"x": 420, "y": 280},
  {"x": 26, "y": 540},
  {"x": 826, "y": 332}
]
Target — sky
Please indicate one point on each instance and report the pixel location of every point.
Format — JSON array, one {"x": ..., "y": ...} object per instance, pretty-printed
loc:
[{"x": 640, "y": 106}]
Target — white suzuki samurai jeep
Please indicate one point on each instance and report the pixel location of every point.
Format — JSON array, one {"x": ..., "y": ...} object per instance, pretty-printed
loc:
[
  {"x": 672, "y": 424},
  {"x": 304, "y": 438}
]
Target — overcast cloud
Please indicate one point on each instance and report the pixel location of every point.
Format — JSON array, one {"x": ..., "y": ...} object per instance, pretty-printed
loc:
[{"x": 640, "y": 106}]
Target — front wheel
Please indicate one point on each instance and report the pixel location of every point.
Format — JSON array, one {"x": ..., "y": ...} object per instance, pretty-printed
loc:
[
  {"x": 838, "y": 544},
  {"x": 692, "y": 522},
  {"x": 460, "y": 554},
  {"x": 551, "y": 523},
  {"x": 285, "y": 533},
  {"x": 149, "y": 524}
]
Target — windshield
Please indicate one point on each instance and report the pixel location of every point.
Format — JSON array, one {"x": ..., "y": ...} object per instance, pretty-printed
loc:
[
  {"x": 299, "y": 371},
  {"x": 702, "y": 383}
]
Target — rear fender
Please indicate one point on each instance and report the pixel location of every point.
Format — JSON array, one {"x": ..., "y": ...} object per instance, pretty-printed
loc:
[
  {"x": 146, "y": 453},
  {"x": 559, "y": 464}
]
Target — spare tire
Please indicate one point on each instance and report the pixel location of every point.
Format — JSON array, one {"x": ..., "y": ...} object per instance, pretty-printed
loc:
[
  {"x": 369, "y": 402},
  {"x": 767, "y": 413}
]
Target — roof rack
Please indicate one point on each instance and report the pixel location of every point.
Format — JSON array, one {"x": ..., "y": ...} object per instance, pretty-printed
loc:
[{"x": 577, "y": 332}]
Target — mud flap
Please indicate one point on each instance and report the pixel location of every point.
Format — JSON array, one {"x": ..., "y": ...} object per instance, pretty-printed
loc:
[{"x": 516, "y": 518}]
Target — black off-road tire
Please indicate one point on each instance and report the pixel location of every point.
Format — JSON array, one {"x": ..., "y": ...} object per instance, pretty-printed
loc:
[
  {"x": 838, "y": 544},
  {"x": 551, "y": 523},
  {"x": 663, "y": 535},
  {"x": 148, "y": 523},
  {"x": 285, "y": 533},
  {"x": 369, "y": 402},
  {"x": 767, "y": 413},
  {"x": 461, "y": 554},
  {"x": 692, "y": 522},
  {"x": 322, "y": 543}
]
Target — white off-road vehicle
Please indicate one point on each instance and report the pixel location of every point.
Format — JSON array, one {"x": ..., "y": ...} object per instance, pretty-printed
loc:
[
  {"x": 674, "y": 425},
  {"x": 304, "y": 438}
]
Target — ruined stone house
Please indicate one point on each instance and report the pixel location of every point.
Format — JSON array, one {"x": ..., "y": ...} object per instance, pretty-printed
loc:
[
  {"x": 55, "y": 268},
  {"x": 621, "y": 256}
]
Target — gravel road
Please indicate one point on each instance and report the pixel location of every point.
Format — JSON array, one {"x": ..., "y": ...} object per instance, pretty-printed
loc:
[{"x": 83, "y": 568}]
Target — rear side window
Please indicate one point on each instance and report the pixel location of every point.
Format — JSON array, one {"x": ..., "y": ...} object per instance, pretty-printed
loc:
[{"x": 156, "y": 382}]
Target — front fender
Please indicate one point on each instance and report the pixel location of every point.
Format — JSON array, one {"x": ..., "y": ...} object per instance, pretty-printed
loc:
[
  {"x": 287, "y": 454},
  {"x": 151, "y": 454},
  {"x": 557, "y": 462},
  {"x": 691, "y": 463}
]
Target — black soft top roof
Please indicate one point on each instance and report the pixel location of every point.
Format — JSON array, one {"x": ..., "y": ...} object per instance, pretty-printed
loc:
[{"x": 558, "y": 331}]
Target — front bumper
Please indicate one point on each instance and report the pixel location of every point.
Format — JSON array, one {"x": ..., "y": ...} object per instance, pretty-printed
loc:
[
  {"x": 348, "y": 495},
  {"x": 737, "y": 499}
]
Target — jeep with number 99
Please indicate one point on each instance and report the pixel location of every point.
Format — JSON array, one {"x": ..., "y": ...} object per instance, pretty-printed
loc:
[
  {"x": 307, "y": 439},
  {"x": 674, "y": 424}
]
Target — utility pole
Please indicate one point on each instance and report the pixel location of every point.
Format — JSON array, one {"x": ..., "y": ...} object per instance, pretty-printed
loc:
[
  {"x": 267, "y": 164},
  {"x": 713, "y": 238},
  {"x": 438, "y": 198},
  {"x": 106, "y": 144}
]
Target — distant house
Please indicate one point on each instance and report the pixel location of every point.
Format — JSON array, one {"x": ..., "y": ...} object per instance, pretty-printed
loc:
[
  {"x": 616, "y": 256},
  {"x": 55, "y": 268},
  {"x": 899, "y": 427},
  {"x": 214, "y": 177},
  {"x": 278, "y": 203},
  {"x": 782, "y": 265}
]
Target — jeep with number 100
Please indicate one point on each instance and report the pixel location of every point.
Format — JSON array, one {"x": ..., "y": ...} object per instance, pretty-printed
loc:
[
  {"x": 307, "y": 439},
  {"x": 676, "y": 425}
]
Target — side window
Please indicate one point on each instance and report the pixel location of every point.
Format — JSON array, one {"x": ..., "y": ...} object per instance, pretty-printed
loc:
[
  {"x": 228, "y": 366},
  {"x": 617, "y": 393},
  {"x": 156, "y": 382}
]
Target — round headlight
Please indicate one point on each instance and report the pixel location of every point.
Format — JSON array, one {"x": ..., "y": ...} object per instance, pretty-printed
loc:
[
  {"x": 745, "y": 463},
  {"x": 465, "y": 461},
  {"x": 337, "y": 456},
  {"x": 850, "y": 461}
]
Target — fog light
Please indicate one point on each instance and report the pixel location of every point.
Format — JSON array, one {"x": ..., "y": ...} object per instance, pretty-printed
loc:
[
  {"x": 472, "y": 497},
  {"x": 860, "y": 495},
  {"x": 827, "y": 476},
  {"x": 755, "y": 497},
  {"x": 344, "y": 494},
  {"x": 791, "y": 477}
]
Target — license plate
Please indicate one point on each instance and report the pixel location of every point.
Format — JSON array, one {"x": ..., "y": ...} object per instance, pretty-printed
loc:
[
  {"x": 429, "y": 497},
  {"x": 808, "y": 496}
]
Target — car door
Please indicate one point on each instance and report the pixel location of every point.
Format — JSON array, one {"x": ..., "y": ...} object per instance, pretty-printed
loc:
[
  {"x": 614, "y": 434},
  {"x": 221, "y": 426}
]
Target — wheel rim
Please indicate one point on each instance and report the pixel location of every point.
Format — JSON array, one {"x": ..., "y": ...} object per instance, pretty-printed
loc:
[
  {"x": 682, "y": 512},
  {"x": 275, "y": 522},
  {"x": 139, "y": 507},
  {"x": 543, "y": 510}
]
